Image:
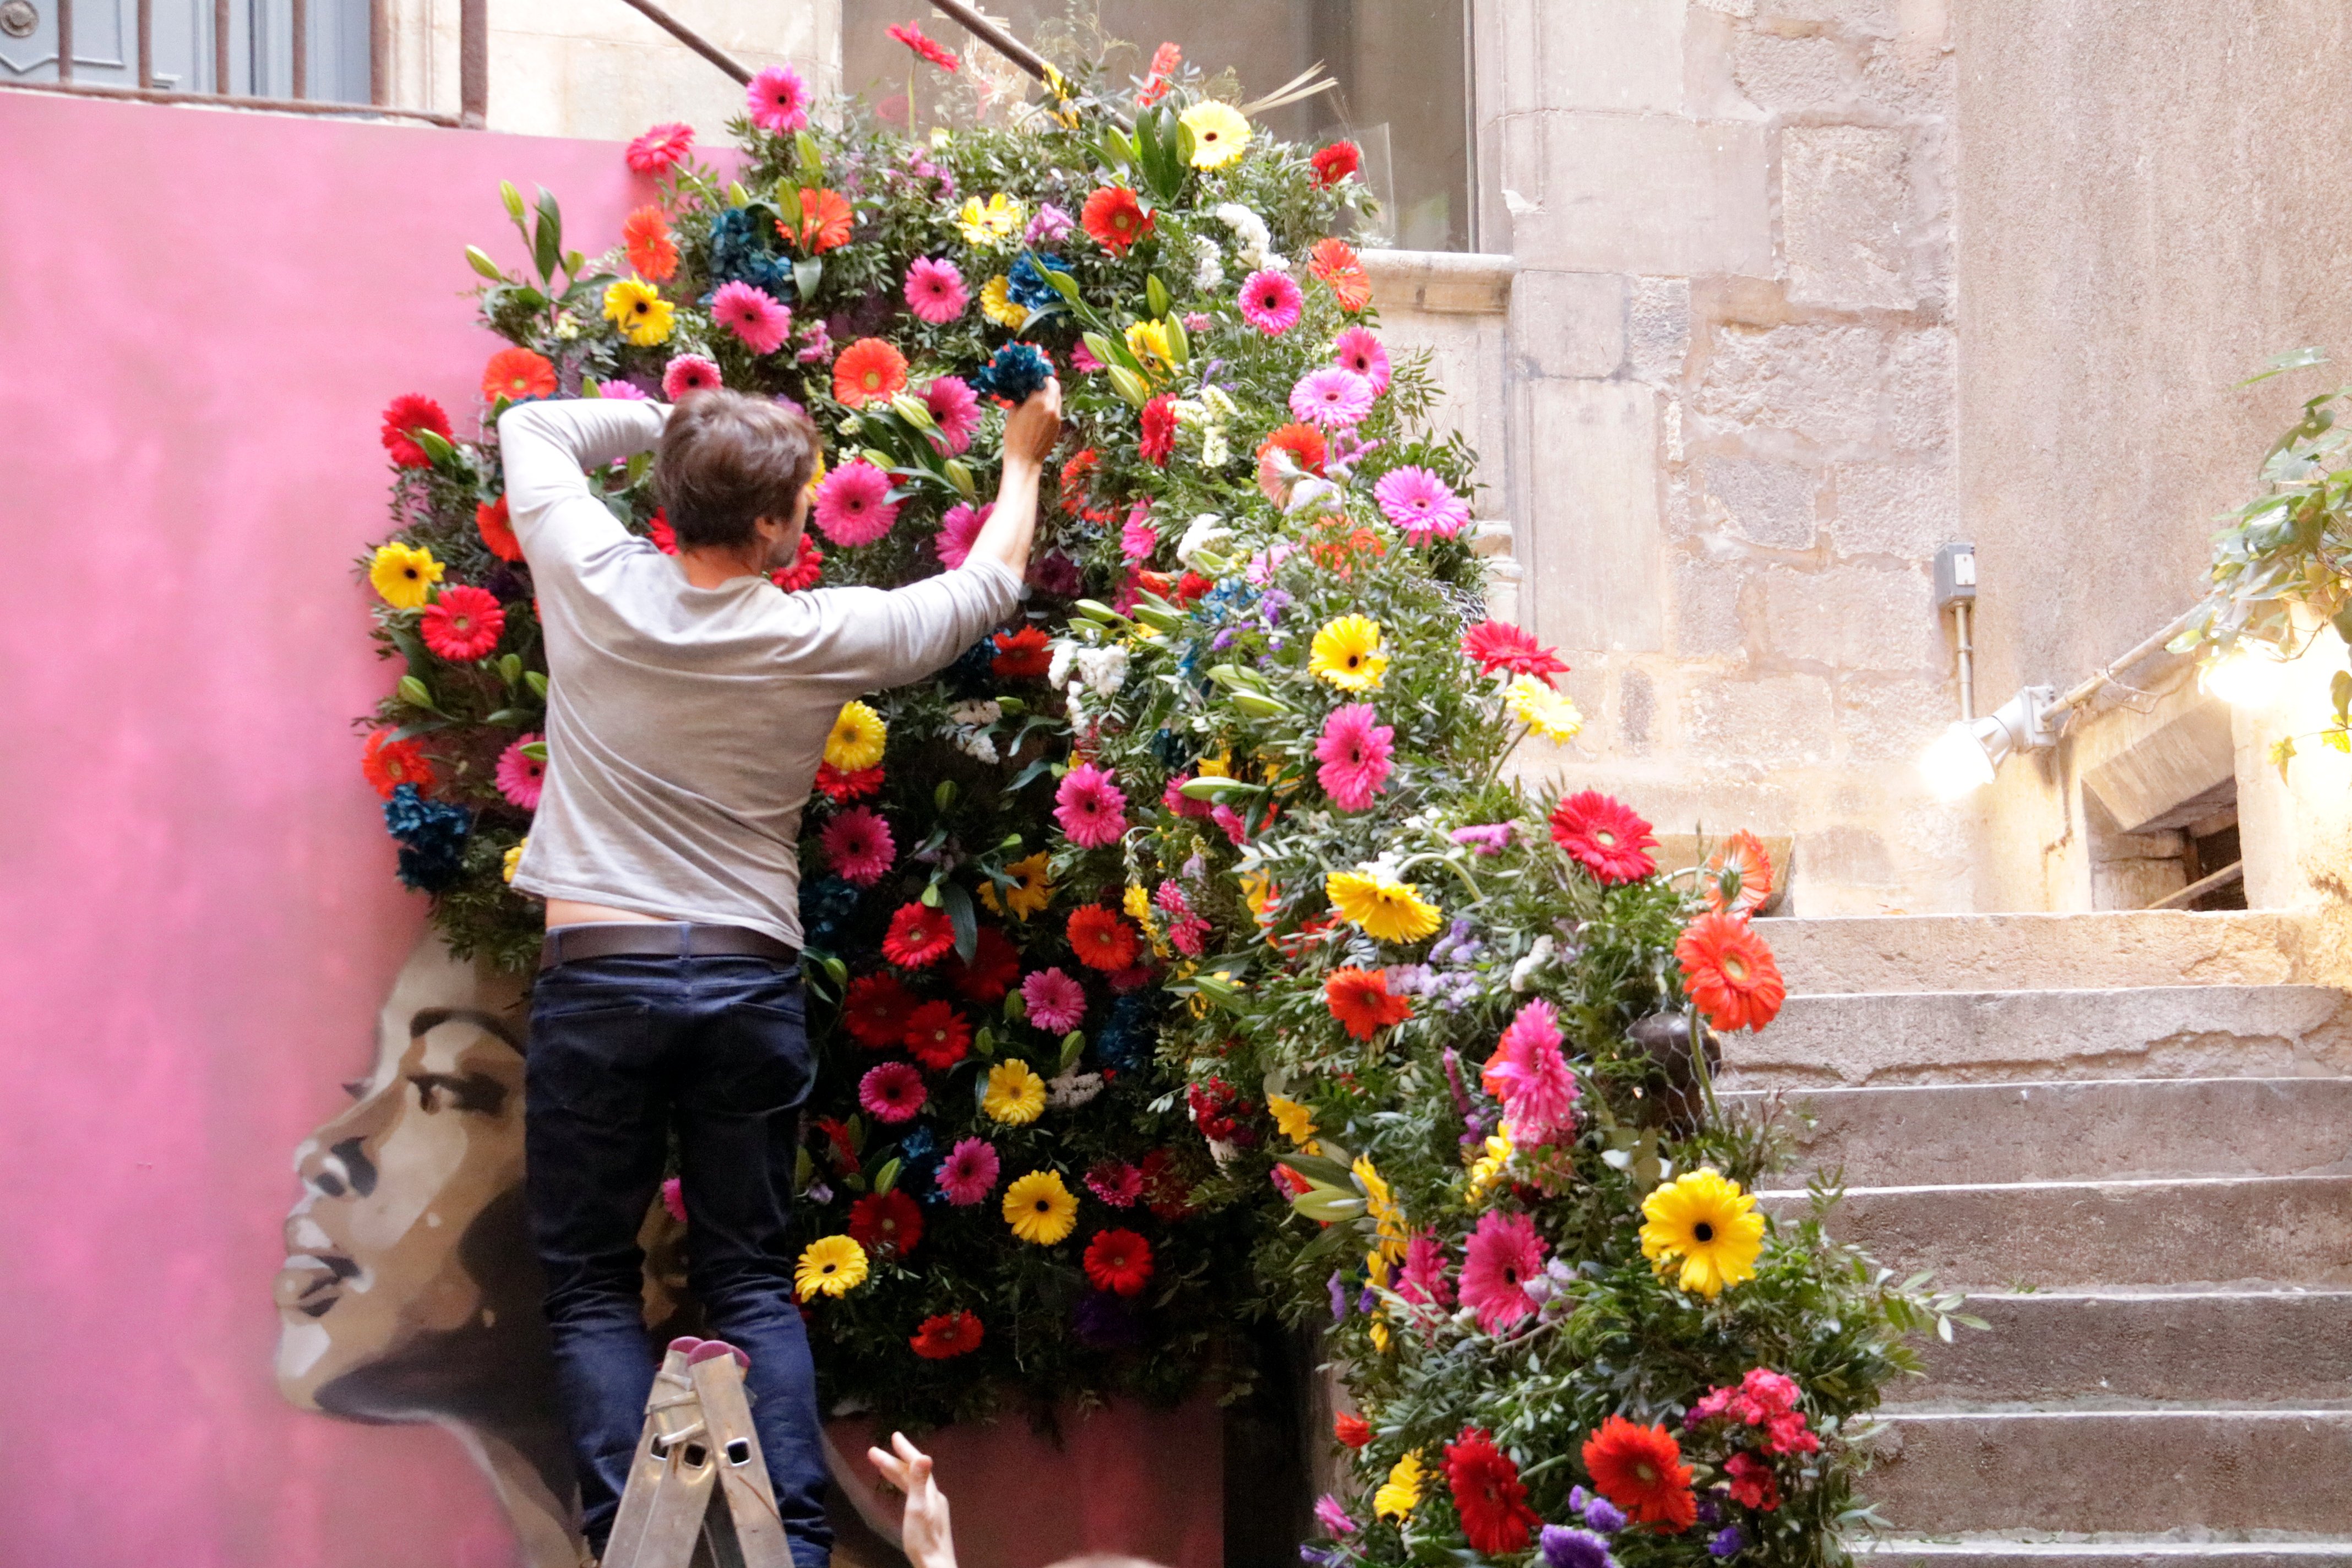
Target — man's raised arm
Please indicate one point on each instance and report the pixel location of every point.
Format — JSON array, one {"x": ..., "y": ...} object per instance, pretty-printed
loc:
[
  {"x": 1030, "y": 432},
  {"x": 546, "y": 448}
]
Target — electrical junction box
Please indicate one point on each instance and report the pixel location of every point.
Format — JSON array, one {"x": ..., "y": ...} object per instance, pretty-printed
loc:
[{"x": 1956, "y": 576}]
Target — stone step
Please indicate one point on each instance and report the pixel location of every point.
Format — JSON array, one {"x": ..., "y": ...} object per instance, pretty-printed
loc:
[
  {"x": 1993, "y": 1036},
  {"x": 2094, "y": 1348},
  {"x": 2149, "y": 1471},
  {"x": 2127, "y": 1552},
  {"x": 2038, "y": 1236},
  {"x": 1844, "y": 955},
  {"x": 2074, "y": 1130}
]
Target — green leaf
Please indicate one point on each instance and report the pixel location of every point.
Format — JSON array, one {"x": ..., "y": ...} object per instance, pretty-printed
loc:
[
  {"x": 537, "y": 681},
  {"x": 547, "y": 237},
  {"x": 417, "y": 694},
  {"x": 509, "y": 667},
  {"x": 1131, "y": 386},
  {"x": 536, "y": 751},
  {"x": 788, "y": 204},
  {"x": 2279, "y": 364},
  {"x": 961, "y": 478},
  {"x": 1071, "y": 1044},
  {"x": 811, "y": 161},
  {"x": 479, "y": 260},
  {"x": 807, "y": 274},
  {"x": 803, "y": 1168},
  {"x": 887, "y": 1176},
  {"x": 961, "y": 916},
  {"x": 436, "y": 447},
  {"x": 944, "y": 795},
  {"x": 1329, "y": 1204},
  {"x": 1179, "y": 341},
  {"x": 511, "y": 719},
  {"x": 1117, "y": 149},
  {"x": 1155, "y": 295},
  {"x": 2340, "y": 692}
]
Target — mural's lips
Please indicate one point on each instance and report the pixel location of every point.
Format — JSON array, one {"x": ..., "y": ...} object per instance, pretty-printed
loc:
[{"x": 311, "y": 1283}]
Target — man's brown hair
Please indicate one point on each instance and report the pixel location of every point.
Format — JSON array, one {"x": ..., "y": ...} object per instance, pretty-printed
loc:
[{"x": 727, "y": 459}]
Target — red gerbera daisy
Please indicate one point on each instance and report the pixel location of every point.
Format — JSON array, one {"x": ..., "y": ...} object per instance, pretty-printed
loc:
[
  {"x": 1023, "y": 655},
  {"x": 1335, "y": 262},
  {"x": 388, "y": 763},
  {"x": 1337, "y": 162},
  {"x": 463, "y": 623},
  {"x": 1351, "y": 1429},
  {"x": 497, "y": 528},
  {"x": 1119, "y": 1261},
  {"x": 825, "y": 222},
  {"x": 1730, "y": 973},
  {"x": 869, "y": 371},
  {"x": 1640, "y": 1469},
  {"x": 876, "y": 1009},
  {"x": 808, "y": 565},
  {"x": 1603, "y": 836},
  {"x": 887, "y": 1222},
  {"x": 661, "y": 149},
  {"x": 657, "y": 529},
  {"x": 911, "y": 35},
  {"x": 1115, "y": 219},
  {"x": 946, "y": 1335},
  {"x": 1498, "y": 644},
  {"x": 994, "y": 966},
  {"x": 517, "y": 373},
  {"x": 1488, "y": 1494},
  {"x": 840, "y": 787},
  {"x": 919, "y": 936},
  {"x": 1074, "y": 476},
  {"x": 1165, "y": 1191},
  {"x": 1102, "y": 938},
  {"x": 937, "y": 1036},
  {"x": 1159, "y": 430},
  {"x": 1359, "y": 999},
  {"x": 402, "y": 417}
]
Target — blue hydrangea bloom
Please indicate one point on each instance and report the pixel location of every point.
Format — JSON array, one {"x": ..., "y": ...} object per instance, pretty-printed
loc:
[
  {"x": 1026, "y": 287},
  {"x": 432, "y": 835},
  {"x": 826, "y": 904},
  {"x": 1124, "y": 1043},
  {"x": 1016, "y": 371},
  {"x": 739, "y": 254}
]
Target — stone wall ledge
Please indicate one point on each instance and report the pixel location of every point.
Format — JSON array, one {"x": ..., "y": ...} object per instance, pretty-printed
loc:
[{"x": 1442, "y": 282}]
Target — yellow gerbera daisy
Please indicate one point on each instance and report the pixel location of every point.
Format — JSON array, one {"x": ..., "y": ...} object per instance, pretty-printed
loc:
[
  {"x": 1534, "y": 703},
  {"x": 1376, "y": 1268},
  {"x": 1032, "y": 894},
  {"x": 1220, "y": 766},
  {"x": 1381, "y": 1207},
  {"x": 1219, "y": 133},
  {"x": 1380, "y": 906},
  {"x": 403, "y": 574},
  {"x": 1147, "y": 341},
  {"x": 991, "y": 222},
  {"x": 1040, "y": 1209},
  {"x": 1296, "y": 1122},
  {"x": 514, "y": 859},
  {"x": 816, "y": 477},
  {"x": 637, "y": 307},
  {"x": 996, "y": 302},
  {"x": 1402, "y": 1490},
  {"x": 858, "y": 738},
  {"x": 1487, "y": 1169},
  {"x": 1710, "y": 1225},
  {"x": 1347, "y": 653},
  {"x": 829, "y": 1265},
  {"x": 1015, "y": 1094}
]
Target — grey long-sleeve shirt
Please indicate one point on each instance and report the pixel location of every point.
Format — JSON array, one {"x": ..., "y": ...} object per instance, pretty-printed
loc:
[{"x": 684, "y": 724}]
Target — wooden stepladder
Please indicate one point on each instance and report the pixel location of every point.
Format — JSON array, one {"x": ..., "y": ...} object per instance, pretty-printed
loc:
[{"x": 698, "y": 1441}]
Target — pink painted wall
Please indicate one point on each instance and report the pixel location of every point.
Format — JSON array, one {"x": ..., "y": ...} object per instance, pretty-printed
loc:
[{"x": 205, "y": 312}]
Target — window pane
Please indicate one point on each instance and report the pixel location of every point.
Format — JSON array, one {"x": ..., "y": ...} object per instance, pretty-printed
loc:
[{"x": 1399, "y": 66}]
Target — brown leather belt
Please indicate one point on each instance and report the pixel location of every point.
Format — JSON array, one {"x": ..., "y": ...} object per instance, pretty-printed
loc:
[{"x": 664, "y": 938}]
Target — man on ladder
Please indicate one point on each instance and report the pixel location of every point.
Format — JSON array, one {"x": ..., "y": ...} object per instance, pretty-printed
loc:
[{"x": 687, "y": 709}]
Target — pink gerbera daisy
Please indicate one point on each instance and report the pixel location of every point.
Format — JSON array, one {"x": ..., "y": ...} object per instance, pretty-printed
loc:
[
  {"x": 689, "y": 374},
  {"x": 1354, "y": 752},
  {"x": 1271, "y": 302},
  {"x": 1115, "y": 1183},
  {"x": 661, "y": 149},
  {"x": 1503, "y": 1254},
  {"x": 1332, "y": 397},
  {"x": 853, "y": 504},
  {"x": 1420, "y": 503},
  {"x": 969, "y": 1171},
  {"x": 955, "y": 408},
  {"x": 958, "y": 530},
  {"x": 1082, "y": 359},
  {"x": 1090, "y": 807},
  {"x": 1359, "y": 349},
  {"x": 1531, "y": 1077},
  {"x": 753, "y": 315},
  {"x": 779, "y": 100},
  {"x": 521, "y": 777},
  {"x": 893, "y": 1092},
  {"x": 1137, "y": 539},
  {"x": 1057, "y": 1002},
  {"x": 935, "y": 291},
  {"x": 628, "y": 392},
  {"x": 858, "y": 843}
]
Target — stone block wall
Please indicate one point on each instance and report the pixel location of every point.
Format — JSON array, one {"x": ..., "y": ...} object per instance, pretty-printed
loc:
[{"x": 1731, "y": 384}]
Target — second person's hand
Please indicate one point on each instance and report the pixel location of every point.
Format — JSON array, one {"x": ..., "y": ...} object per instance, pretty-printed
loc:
[{"x": 1031, "y": 429}]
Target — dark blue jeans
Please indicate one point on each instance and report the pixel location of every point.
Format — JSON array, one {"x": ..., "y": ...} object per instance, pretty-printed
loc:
[{"x": 621, "y": 1051}]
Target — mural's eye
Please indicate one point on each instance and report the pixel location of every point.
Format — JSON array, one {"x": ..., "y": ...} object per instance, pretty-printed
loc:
[{"x": 357, "y": 1088}]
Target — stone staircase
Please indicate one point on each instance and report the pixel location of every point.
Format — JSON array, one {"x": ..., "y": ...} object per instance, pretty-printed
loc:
[{"x": 2128, "y": 1137}]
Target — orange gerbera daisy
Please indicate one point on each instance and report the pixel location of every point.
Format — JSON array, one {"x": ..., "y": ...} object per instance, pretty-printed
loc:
[
  {"x": 1114, "y": 218},
  {"x": 1359, "y": 999},
  {"x": 1730, "y": 973},
  {"x": 1640, "y": 1469},
  {"x": 652, "y": 251},
  {"x": 1335, "y": 263},
  {"x": 825, "y": 222},
  {"x": 1102, "y": 940},
  {"x": 869, "y": 371},
  {"x": 389, "y": 763},
  {"x": 518, "y": 373},
  {"x": 1304, "y": 444},
  {"x": 1743, "y": 853},
  {"x": 497, "y": 528}
]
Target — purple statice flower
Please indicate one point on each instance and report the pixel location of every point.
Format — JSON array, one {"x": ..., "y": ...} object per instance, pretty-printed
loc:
[
  {"x": 1050, "y": 226},
  {"x": 1485, "y": 838},
  {"x": 1727, "y": 1541},
  {"x": 1270, "y": 607},
  {"x": 1453, "y": 1060},
  {"x": 1407, "y": 979},
  {"x": 1567, "y": 1547},
  {"x": 1338, "y": 1296},
  {"x": 1599, "y": 1512},
  {"x": 1322, "y": 1556},
  {"x": 1367, "y": 1299},
  {"x": 1710, "y": 1510},
  {"x": 1223, "y": 639}
]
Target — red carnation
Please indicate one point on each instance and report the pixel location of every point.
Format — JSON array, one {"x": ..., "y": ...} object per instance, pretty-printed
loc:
[
  {"x": 840, "y": 788},
  {"x": 1114, "y": 219},
  {"x": 1351, "y": 1429},
  {"x": 1159, "y": 430},
  {"x": 497, "y": 528},
  {"x": 402, "y": 417},
  {"x": 1488, "y": 1494},
  {"x": 1119, "y": 1261},
  {"x": 388, "y": 763},
  {"x": 1102, "y": 938},
  {"x": 994, "y": 966},
  {"x": 937, "y": 1035},
  {"x": 919, "y": 936},
  {"x": 1603, "y": 836},
  {"x": 887, "y": 1222},
  {"x": 463, "y": 623},
  {"x": 876, "y": 1010},
  {"x": 948, "y": 1335},
  {"x": 1337, "y": 162},
  {"x": 1024, "y": 655}
]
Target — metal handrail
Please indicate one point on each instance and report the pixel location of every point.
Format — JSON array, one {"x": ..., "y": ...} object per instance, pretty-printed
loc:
[{"x": 473, "y": 66}]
